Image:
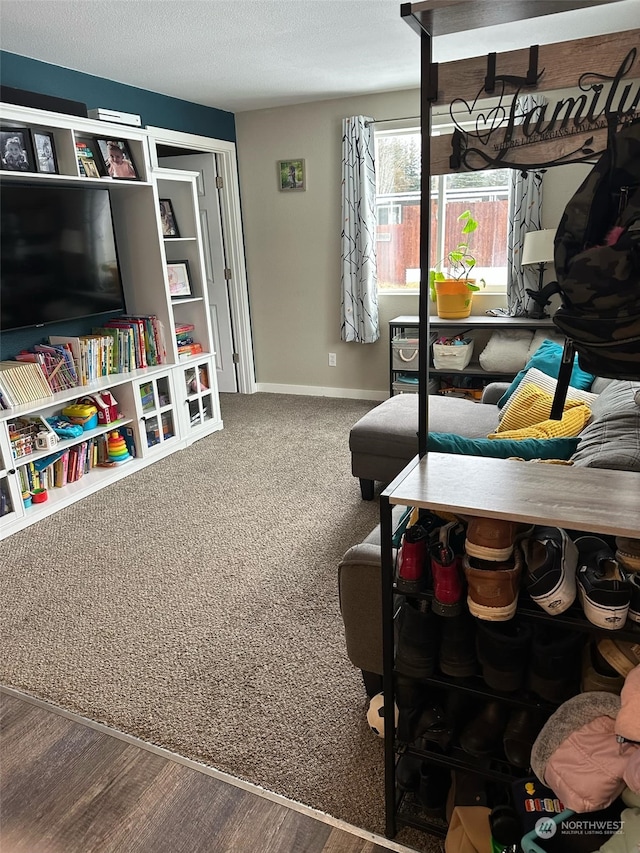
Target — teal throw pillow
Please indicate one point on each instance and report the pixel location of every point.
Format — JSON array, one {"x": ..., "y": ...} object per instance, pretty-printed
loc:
[
  {"x": 548, "y": 358},
  {"x": 501, "y": 448}
]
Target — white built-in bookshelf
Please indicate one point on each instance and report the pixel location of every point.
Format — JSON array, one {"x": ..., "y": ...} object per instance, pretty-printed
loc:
[{"x": 161, "y": 408}]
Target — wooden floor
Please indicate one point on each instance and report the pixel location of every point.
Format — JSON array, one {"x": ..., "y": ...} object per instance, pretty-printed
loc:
[{"x": 69, "y": 787}]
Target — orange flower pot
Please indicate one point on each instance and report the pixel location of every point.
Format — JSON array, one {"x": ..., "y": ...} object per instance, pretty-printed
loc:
[{"x": 453, "y": 298}]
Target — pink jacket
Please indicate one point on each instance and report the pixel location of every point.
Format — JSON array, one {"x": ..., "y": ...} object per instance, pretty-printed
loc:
[{"x": 587, "y": 770}]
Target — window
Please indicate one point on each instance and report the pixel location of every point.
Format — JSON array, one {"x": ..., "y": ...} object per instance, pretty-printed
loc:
[{"x": 485, "y": 194}]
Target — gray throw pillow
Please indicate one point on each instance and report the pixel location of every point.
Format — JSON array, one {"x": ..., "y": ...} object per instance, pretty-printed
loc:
[{"x": 612, "y": 438}]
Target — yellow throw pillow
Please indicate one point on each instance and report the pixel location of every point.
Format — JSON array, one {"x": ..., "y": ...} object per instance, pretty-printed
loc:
[
  {"x": 531, "y": 405},
  {"x": 573, "y": 422}
]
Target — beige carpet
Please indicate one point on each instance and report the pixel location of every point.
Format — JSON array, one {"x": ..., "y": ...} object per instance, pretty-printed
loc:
[{"x": 195, "y": 605}]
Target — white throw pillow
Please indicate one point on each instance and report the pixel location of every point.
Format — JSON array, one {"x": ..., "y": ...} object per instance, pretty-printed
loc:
[{"x": 506, "y": 351}]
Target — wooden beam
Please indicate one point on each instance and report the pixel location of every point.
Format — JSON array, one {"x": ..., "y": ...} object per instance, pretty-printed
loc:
[{"x": 464, "y": 78}]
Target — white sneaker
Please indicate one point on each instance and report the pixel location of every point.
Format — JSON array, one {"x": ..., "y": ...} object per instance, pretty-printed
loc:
[{"x": 551, "y": 559}]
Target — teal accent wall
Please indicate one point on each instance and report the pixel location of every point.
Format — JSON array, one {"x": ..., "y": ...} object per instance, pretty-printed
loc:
[
  {"x": 154, "y": 109},
  {"x": 20, "y": 72}
]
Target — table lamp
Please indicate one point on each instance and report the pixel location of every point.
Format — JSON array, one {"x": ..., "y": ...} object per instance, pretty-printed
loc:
[{"x": 538, "y": 249}]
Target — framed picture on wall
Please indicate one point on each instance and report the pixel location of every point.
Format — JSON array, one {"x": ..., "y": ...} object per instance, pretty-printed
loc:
[
  {"x": 168, "y": 219},
  {"x": 16, "y": 152},
  {"x": 179, "y": 280},
  {"x": 45, "y": 151},
  {"x": 291, "y": 175},
  {"x": 117, "y": 159}
]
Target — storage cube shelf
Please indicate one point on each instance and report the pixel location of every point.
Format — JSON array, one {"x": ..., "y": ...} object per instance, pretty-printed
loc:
[
  {"x": 163, "y": 408},
  {"x": 404, "y": 333}
]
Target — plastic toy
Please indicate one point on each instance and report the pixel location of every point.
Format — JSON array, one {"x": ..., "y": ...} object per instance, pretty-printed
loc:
[
  {"x": 117, "y": 448},
  {"x": 64, "y": 428},
  {"x": 82, "y": 413}
]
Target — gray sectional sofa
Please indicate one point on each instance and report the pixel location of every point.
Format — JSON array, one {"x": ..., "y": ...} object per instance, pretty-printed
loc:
[
  {"x": 386, "y": 438},
  {"x": 610, "y": 440}
]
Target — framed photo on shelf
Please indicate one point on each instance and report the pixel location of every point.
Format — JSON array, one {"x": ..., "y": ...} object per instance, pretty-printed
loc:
[
  {"x": 16, "y": 151},
  {"x": 179, "y": 280},
  {"x": 117, "y": 159},
  {"x": 291, "y": 175},
  {"x": 45, "y": 151},
  {"x": 168, "y": 219},
  {"x": 89, "y": 165}
]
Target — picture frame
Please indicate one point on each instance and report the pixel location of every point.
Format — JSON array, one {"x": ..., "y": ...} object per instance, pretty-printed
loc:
[
  {"x": 179, "y": 279},
  {"x": 116, "y": 159},
  {"x": 292, "y": 175},
  {"x": 168, "y": 219},
  {"x": 89, "y": 165},
  {"x": 16, "y": 149},
  {"x": 45, "y": 151}
]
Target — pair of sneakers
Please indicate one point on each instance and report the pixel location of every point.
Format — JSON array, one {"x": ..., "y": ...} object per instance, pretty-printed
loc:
[{"x": 559, "y": 569}]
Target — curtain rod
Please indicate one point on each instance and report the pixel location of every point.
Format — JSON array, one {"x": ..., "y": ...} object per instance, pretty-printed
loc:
[{"x": 386, "y": 120}]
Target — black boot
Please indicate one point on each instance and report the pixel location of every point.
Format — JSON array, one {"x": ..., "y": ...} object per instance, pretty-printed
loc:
[
  {"x": 503, "y": 651},
  {"x": 416, "y": 648},
  {"x": 457, "y": 654},
  {"x": 554, "y": 668}
]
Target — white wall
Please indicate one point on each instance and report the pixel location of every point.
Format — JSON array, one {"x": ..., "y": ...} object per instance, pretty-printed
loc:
[{"x": 293, "y": 247}]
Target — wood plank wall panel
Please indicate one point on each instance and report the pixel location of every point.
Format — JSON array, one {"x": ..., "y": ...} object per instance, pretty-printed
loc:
[{"x": 603, "y": 55}]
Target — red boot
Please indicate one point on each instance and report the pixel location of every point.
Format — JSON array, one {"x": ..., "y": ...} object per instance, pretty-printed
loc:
[
  {"x": 412, "y": 560},
  {"x": 446, "y": 570}
]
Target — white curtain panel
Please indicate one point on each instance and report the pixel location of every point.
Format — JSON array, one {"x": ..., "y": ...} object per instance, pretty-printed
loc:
[
  {"x": 359, "y": 276},
  {"x": 525, "y": 214}
]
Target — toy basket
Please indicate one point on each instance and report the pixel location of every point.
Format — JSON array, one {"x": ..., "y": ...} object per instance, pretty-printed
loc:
[{"x": 452, "y": 356}]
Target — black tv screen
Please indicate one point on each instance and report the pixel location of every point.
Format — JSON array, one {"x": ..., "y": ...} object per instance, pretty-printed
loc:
[{"x": 59, "y": 259}]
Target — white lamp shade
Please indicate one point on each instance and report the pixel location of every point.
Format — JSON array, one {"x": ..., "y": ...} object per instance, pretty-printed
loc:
[{"x": 538, "y": 247}]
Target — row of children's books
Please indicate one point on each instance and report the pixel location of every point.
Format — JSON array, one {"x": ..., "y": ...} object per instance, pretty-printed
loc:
[
  {"x": 22, "y": 383},
  {"x": 67, "y": 466},
  {"x": 123, "y": 344}
]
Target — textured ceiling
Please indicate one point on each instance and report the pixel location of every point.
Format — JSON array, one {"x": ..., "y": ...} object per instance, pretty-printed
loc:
[{"x": 250, "y": 54}]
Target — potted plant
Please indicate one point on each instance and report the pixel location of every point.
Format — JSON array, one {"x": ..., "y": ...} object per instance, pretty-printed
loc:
[{"x": 452, "y": 290}]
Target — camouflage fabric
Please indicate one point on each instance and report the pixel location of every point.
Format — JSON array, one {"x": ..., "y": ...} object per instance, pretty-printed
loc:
[{"x": 598, "y": 268}]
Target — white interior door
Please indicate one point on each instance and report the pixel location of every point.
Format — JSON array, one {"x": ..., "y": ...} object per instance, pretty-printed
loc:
[{"x": 216, "y": 266}]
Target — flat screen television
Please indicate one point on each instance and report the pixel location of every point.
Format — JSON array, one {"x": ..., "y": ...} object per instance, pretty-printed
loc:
[{"x": 58, "y": 254}]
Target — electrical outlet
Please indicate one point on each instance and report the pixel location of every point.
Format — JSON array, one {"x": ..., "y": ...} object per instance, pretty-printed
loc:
[{"x": 332, "y": 359}]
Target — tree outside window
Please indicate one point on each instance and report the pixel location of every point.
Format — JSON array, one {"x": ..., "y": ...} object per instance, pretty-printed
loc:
[{"x": 485, "y": 194}]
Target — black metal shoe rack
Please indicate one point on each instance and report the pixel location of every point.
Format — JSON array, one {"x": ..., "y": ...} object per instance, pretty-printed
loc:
[{"x": 430, "y": 19}]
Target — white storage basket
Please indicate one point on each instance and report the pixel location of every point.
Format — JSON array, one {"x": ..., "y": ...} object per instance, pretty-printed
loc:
[{"x": 452, "y": 357}]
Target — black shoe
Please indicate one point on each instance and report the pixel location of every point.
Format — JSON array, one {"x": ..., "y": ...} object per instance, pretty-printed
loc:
[
  {"x": 417, "y": 636},
  {"x": 433, "y": 729},
  {"x": 457, "y": 653},
  {"x": 633, "y": 578},
  {"x": 434, "y": 787},
  {"x": 605, "y": 593},
  {"x": 503, "y": 652},
  {"x": 522, "y": 729},
  {"x": 410, "y": 699},
  {"x": 408, "y": 772},
  {"x": 482, "y": 737},
  {"x": 554, "y": 668},
  {"x": 551, "y": 559}
]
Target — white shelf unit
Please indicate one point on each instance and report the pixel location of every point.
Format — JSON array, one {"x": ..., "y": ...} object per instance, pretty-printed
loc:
[{"x": 171, "y": 423}]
